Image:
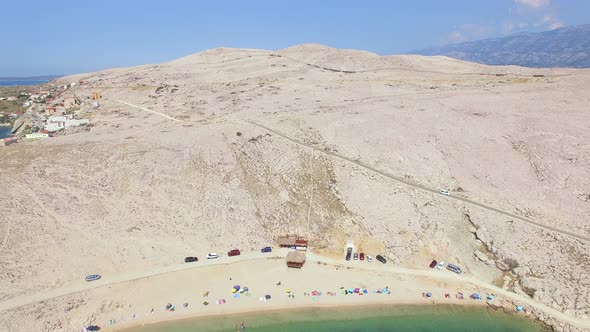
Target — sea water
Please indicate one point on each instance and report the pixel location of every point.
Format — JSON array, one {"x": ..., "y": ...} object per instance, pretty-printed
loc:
[
  {"x": 24, "y": 81},
  {"x": 365, "y": 319},
  {"x": 5, "y": 131}
]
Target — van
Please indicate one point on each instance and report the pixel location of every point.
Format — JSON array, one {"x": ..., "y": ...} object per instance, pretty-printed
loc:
[{"x": 234, "y": 252}]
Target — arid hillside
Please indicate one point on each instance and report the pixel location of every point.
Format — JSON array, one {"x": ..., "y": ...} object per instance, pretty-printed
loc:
[{"x": 232, "y": 147}]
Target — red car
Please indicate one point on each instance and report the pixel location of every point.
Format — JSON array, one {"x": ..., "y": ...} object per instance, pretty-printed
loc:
[
  {"x": 362, "y": 256},
  {"x": 433, "y": 264},
  {"x": 235, "y": 252}
]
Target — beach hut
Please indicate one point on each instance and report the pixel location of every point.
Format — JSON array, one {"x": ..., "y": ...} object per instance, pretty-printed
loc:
[
  {"x": 295, "y": 259},
  {"x": 287, "y": 241}
]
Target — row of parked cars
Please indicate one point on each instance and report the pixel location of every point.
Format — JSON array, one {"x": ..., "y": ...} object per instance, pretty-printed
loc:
[
  {"x": 233, "y": 252},
  {"x": 441, "y": 265},
  {"x": 361, "y": 256}
]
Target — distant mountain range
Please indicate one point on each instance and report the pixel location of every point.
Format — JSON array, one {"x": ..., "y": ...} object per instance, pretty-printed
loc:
[{"x": 562, "y": 47}]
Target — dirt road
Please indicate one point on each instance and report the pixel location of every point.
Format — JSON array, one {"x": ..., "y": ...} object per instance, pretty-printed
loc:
[
  {"x": 421, "y": 187},
  {"x": 375, "y": 267}
]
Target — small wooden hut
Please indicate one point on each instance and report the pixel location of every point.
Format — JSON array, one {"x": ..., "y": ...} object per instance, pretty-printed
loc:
[{"x": 295, "y": 259}]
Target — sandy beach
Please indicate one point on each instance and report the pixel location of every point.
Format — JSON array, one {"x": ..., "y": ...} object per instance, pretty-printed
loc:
[
  {"x": 261, "y": 278},
  {"x": 120, "y": 305}
]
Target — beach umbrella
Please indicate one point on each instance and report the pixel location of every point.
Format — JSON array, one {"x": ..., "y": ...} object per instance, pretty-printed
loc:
[
  {"x": 428, "y": 294},
  {"x": 233, "y": 290},
  {"x": 245, "y": 289},
  {"x": 237, "y": 287},
  {"x": 288, "y": 290},
  {"x": 236, "y": 295}
]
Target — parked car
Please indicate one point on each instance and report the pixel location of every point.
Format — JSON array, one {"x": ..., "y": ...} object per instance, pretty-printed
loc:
[
  {"x": 362, "y": 256},
  {"x": 266, "y": 249},
  {"x": 356, "y": 256},
  {"x": 454, "y": 268},
  {"x": 234, "y": 252},
  {"x": 441, "y": 265},
  {"x": 348, "y": 254},
  {"x": 381, "y": 259},
  {"x": 93, "y": 328},
  {"x": 212, "y": 255},
  {"x": 190, "y": 259},
  {"x": 444, "y": 192},
  {"x": 433, "y": 264},
  {"x": 93, "y": 277},
  {"x": 369, "y": 258}
]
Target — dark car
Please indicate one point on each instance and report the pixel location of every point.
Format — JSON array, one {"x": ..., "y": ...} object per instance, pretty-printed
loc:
[
  {"x": 348, "y": 254},
  {"x": 93, "y": 328},
  {"x": 266, "y": 249},
  {"x": 381, "y": 259},
  {"x": 93, "y": 277},
  {"x": 454, "y": 268},
  {"x": 190, "y": 259},
  {"x": 362, "y": 256},
  {"x": 433, "y": 264},
  {"x": 234, "y": 252},
  {"x": 356, "y": 256}
]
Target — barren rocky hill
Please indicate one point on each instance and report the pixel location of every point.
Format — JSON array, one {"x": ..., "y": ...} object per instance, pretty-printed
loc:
[{"x": 187, "y": 157}]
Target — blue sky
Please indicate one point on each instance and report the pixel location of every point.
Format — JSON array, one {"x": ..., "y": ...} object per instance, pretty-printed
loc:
[{"x": 66, "y": 37}]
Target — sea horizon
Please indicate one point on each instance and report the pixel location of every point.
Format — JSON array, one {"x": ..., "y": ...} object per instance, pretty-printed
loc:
[{"x": 30, "y": 80}]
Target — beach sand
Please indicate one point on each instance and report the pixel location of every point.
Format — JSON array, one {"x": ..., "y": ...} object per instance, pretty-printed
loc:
[{"x": 130, "y": 304}]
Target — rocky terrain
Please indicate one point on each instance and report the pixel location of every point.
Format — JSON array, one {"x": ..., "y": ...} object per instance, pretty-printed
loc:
[
  {"x": 562, "y": 47},
  {"x": 197, "y": 170}
]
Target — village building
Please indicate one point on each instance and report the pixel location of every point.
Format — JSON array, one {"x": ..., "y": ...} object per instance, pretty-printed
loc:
[
  {"x": 70, "y": 102},
  {"x": 295, "y": 259},
  {"x": 59, "y": 122},
  {"x": 37, "y": 135}
]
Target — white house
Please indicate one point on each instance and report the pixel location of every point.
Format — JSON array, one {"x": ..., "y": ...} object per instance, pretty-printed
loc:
[
  {"x": 58, "y": 118},
  {"x": 59, "y": 122},
  {"x": 54, "y": 126}
]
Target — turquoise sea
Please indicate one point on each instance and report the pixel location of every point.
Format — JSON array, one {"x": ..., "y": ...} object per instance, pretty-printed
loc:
[{"x": 366, "y": 319}]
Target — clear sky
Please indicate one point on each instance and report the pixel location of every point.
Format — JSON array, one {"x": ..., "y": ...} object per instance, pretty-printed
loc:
[{"x": 42, "y": 37}]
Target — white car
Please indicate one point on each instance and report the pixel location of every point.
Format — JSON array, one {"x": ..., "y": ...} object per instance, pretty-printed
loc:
[
  {"x": 212, "y": 255},
  {"x": 369, "y": 258},
  {"x": 444, "y": 192},
  {"x": 441, "y": 265}
]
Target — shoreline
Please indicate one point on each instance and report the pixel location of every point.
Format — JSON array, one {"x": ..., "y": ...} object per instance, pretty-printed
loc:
[
  {"x": 306, "y": 307},
  {"x": 189, "y": 286}
]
